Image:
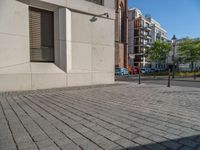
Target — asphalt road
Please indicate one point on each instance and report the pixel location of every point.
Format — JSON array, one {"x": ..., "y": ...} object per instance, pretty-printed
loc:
[{"x": 161, "y": 81}]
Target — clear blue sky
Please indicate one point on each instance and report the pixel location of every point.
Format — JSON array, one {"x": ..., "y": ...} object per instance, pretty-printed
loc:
[{"x": 179, "y": 17}]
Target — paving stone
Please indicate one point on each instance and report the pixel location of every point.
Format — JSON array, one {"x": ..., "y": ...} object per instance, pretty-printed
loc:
[
  {"x": 126, "y": 143},
  {"x": 157, "y": 138},
  {"x": 51, "y": 147},
  {"x": 187, "y": 148},
  {"x": 156, "y": 146},
  {"x": 188, "y": 142},
  {"x": 40, "y": 137},
  {"x": 90, "y": 146},
  {"x": 108, "y": 144},
  {"x": 70, "y": 146},
  {"x": 171, "y": 144},
  {"x": 198, "y": 148},
  {"x": 7, "y": 144},
  {"x": 144, "y": 133},
  {"x": 45, "y": 143},
  {"x": 142, "y": 141},
  {"x": 113, "y": 137},
  {"x": 125, "y": 116}
]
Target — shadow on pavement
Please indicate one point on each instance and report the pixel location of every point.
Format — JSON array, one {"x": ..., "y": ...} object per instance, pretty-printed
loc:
[{"x": 186, "y": 143}]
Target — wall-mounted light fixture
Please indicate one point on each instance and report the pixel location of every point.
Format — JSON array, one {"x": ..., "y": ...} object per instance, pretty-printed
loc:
[
  {"x": 94, "y": 18},
  {"x": 105, "y": 14}
]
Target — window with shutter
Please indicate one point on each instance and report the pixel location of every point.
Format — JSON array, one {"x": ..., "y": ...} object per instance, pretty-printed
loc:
[
  {"x": 41, "y": 35},
  {"x": 100, "y": 2}
]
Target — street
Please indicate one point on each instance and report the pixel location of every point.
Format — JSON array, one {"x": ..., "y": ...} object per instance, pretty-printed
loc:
[{"x": 162, "y": 81}]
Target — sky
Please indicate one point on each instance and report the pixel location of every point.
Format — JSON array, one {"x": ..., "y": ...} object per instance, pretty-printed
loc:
[{"x": 179, "y": 17}]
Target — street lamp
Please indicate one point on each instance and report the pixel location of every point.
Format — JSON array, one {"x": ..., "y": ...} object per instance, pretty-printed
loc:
[{"x": 173, "y": 57}]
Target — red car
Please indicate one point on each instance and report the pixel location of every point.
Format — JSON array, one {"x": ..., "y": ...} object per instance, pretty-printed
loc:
[{"x": 133, "y": 70}]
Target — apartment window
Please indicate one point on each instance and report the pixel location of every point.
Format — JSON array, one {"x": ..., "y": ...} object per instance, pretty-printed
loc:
[
  {"x": 100, "y": 2},
  {"x": 41, "y": 35}
]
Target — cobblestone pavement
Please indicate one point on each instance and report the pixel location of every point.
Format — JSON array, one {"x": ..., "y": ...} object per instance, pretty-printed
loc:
[{"x": 112, "y": 117}]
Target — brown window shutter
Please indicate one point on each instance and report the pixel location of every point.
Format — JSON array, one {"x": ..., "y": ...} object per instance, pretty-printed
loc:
[{"x": 35, "y": 34}]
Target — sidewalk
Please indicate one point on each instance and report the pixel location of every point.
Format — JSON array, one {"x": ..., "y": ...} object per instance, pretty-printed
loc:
[
  {"x": 191, "y": 79},
  {"x": 125, "y": 116}
]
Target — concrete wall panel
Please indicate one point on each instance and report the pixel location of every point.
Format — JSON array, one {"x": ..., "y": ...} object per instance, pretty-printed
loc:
[
  {"x": 102, "y": 60},
  {"x": 103, "y": 32},
  {"x": 81, "y": 57},
  {"x": 45, "y": 81},
  {"x": 15, "y": 78},
  {"x": 79, "y": 78},
  {"x": 81, "y": 31},
  {"x": 47, "y": 75},
  {"x": 14, "y": 33},
  {"x": 14, "y": 50},
  {"x": 14, "y": 18},
  {"x": 15, "y": 82},
  {"x": 97, "y": 78}
]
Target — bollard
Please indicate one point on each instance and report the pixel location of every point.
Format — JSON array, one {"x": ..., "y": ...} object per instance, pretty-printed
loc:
[
  {"x": 139, "y": 79},
  {"x": 169, "y": 78}
]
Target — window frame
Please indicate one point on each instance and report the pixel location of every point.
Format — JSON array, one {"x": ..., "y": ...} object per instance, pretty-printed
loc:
[
  {"x": 96, "y": 2},
  {"x": 43, "y": 10}
]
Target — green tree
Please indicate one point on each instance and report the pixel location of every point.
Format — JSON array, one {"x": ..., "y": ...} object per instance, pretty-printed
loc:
[
  {"x": 158, "y": 51},
  {"x": 189, "y": 51}
]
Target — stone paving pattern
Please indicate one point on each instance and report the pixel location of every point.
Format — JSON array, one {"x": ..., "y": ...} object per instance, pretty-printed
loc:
[{"x": 112, "y": 117}]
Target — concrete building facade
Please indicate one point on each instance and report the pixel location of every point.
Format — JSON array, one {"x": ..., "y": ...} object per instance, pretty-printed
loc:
[
  {"x": 121, "y": 34},
  {"x": 157, "y": 33},
  {"x": 139, "y": 37},
  {"x": 56, "y": 43}
]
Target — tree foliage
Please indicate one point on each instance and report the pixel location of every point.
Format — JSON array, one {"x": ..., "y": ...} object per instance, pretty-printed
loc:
[
  {"x": 189, "y": 50},
  {"x": 158, "y": 51}
]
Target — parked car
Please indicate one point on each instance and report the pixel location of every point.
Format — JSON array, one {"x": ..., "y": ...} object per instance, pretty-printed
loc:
[
  {"x": 133, "y": 70},
  {"x": 152, "y": 70},
  {"x": 156, "y": 69},
  {"x": 144, "y": 70},
  {"x": 121, "y": 71},
  {"x": 149, "y": 70}
]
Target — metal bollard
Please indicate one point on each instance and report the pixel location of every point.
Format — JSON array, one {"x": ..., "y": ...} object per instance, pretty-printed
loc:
[{"x": 169, "y": 78}]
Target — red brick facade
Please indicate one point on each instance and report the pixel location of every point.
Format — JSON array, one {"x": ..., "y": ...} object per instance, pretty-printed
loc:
[{"x": 121, "y": 34}]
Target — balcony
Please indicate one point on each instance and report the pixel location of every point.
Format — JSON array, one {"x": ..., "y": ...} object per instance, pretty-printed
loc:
[
  {"x": 146, "y": 44},
  {"x": 147, "y": 28},
  {"x": 147, "y": 37}
]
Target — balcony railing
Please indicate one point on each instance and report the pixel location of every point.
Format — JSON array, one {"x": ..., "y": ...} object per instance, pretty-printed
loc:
[
  {"x": 148, "y": 44},
  {"x": 147, "y": 28},
  {"x": 99, "y": 2},
  {"x": 147, "y": 36}
]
